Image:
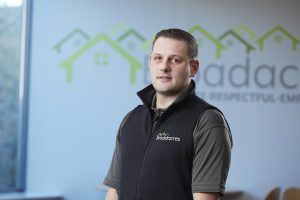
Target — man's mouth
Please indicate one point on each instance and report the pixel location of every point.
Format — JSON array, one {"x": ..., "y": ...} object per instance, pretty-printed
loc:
[{"x": 164, "y": 78}]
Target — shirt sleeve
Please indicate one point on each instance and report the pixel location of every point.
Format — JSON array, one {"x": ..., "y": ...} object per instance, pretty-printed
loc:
[
  {"x": 112, "y": 178},
  {"x": 212, "y": 152}
]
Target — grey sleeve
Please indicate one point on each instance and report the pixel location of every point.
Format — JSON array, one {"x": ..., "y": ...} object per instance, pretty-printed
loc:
[
  {"x": 112, "y": 178},
  {"x": 212, "y": 153}
]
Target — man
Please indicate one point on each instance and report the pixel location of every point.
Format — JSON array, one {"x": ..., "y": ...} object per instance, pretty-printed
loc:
[{"x": 175, "y": 146}]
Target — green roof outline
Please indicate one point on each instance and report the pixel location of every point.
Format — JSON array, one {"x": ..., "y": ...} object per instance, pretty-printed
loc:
[
  {"x": 70, "y": 35},
  {"x": 148, "y": 43},
  {"x": 68, "y": 63},
  {"x": 131, "y": 32},
  {"x": 118, "y": 27},
  {"x": 243, "y": 28},
  {"x": 218, "y": 44},
  {"x": 248, "y": 46},
  {"x": 261, "y": 40}
]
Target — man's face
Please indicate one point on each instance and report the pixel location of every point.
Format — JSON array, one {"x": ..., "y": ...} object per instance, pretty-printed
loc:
[{"x": 170, "y": 67}]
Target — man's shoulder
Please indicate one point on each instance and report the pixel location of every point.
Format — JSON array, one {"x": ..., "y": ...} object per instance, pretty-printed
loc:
[
  {"x": 213, "y": 114},
  {"x": 212, "y": 117},
  {"x": 212, "y": 122}
]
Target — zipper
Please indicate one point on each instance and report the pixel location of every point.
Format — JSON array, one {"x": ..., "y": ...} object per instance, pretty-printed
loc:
[{"x": 153, "y": 128}]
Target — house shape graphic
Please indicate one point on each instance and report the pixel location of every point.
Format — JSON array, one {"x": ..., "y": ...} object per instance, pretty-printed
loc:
[
  {"x": 132, "y": 41},
  {"x": 218, "y": 45},
  {"x": 230, "y": 38},
  {"x": 77, "y": 37},
  {"x": 148, "y": 44},
  {"x": 134, "y": 64},
  {"x": 117, "y": 28},
  {"x": 247, "y": 34},
  {"x": 137, "y": 37},
  {"x": 281, "y": 32},
  {"x": 243, "y": 30}
]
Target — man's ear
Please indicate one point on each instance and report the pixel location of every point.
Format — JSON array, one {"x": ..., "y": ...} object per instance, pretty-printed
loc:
[
  {"x": 148, "y": 61},
  {"x": 194, "y": 65}
]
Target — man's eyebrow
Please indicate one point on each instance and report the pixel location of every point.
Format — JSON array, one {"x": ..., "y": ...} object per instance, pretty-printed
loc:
[{"x": 171, "y": 55}]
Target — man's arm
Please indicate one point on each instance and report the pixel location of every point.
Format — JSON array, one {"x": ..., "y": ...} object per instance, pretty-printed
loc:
[
  {"x": 212, "y": 153},
  {"x": 112, "y": 180},
  {"x": 206, "y": 196},
  {"x": 111, "y": 194}
]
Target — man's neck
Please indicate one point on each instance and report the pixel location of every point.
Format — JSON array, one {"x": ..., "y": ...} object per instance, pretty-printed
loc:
[{"x": 164, "y": 101}]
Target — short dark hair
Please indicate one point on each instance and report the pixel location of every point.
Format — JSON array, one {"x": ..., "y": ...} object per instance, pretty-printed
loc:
[{"x": 181, "y": 35}]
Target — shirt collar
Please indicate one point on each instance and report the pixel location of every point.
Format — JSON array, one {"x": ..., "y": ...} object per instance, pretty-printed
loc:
[{"x": 148, "y": 95}]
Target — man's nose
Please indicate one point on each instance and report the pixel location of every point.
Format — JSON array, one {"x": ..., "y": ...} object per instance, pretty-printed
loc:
[{"x": 164, "y": 67}]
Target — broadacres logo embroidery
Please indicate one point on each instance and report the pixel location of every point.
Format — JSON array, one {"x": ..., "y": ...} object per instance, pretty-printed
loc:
[
  {"x": 238, "y": 65},
  {"x": 165, "y": 136}
]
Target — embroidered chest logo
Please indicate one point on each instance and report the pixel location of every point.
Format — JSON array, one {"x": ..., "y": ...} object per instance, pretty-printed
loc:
[{"x": 165, "y": 136}]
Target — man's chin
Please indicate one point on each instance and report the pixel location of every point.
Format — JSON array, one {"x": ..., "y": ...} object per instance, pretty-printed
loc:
[{"x": 167, "y": 92}]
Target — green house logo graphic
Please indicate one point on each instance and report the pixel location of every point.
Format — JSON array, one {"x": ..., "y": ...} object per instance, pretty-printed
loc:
[
  {"x": 219, "y": 46},
  {"x": 243, "y": 31},
  {"x": 134, "y": 63},
  {"x": 134, "y": 47},
  {"x": 77, "y": 37},
  {"x": 235, "y": 38},
  {"x": 131, "y": 44},
  {"x": 148, "y": 44},
  {"x": 278, "y": 33}
]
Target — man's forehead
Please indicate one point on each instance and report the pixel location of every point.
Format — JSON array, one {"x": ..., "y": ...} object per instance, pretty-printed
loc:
[
  {"x": 169, "y": 45},
  {"x": 163, "y": 39}
]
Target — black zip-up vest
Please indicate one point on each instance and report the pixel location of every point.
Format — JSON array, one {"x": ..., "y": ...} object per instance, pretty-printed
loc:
[{"x": 157, "y": 163}]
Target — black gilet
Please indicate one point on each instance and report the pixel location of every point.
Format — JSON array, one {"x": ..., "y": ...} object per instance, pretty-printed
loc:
[{"x": 156, "y": 162}]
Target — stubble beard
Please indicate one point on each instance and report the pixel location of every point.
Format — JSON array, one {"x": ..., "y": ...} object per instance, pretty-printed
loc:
[{"x": 172, "y": 92}]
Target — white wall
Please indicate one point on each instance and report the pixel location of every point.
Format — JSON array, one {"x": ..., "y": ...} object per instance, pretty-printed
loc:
[{"x": 72, "y": 125}]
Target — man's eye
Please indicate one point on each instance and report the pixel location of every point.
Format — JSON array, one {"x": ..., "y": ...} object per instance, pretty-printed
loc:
[
  {"x": 157, "y": 58},
  {"x": 175, "y": 60}
]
